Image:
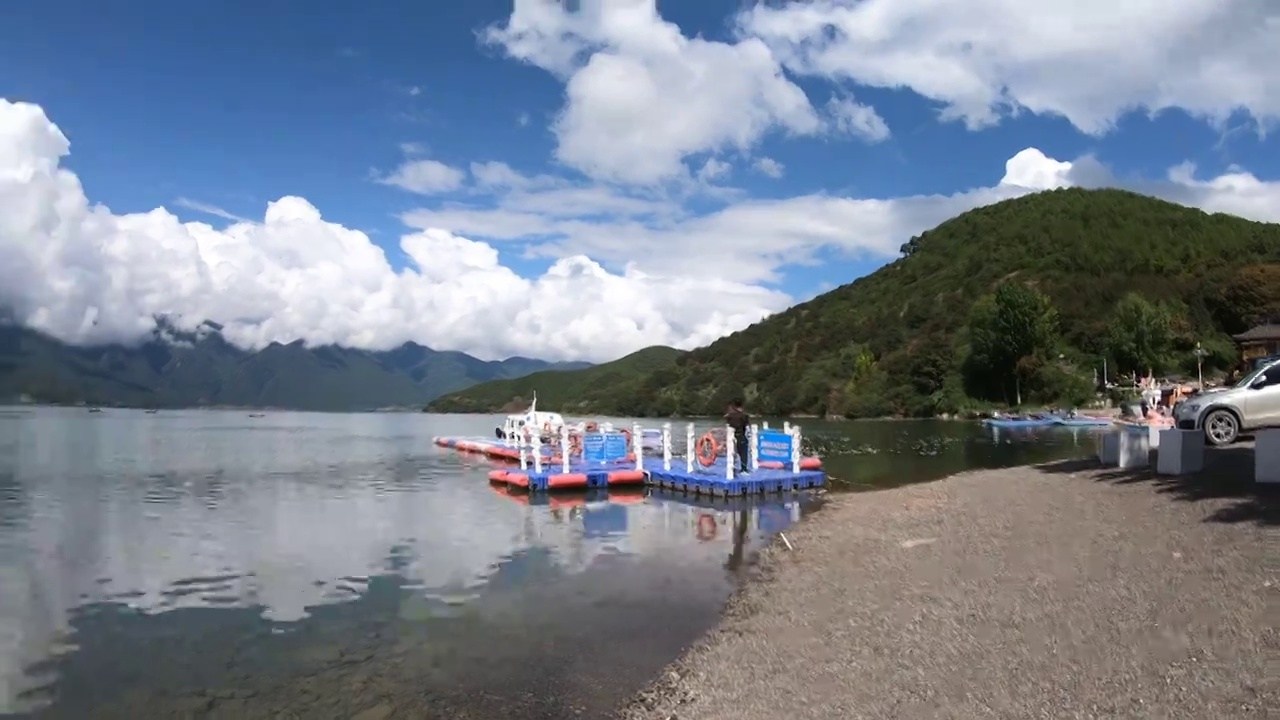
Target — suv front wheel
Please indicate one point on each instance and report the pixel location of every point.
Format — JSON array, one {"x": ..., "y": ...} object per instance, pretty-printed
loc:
[{"x": 1221, "y": 428}]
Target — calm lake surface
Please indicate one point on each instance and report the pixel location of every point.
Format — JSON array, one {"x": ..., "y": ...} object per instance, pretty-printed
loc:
[{"x": 208, "y": 563}]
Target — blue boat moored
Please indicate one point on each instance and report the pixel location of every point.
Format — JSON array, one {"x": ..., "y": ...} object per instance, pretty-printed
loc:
[
  {"x": 1026, "y": 422},
  {"x": 1039, "y": 421}
]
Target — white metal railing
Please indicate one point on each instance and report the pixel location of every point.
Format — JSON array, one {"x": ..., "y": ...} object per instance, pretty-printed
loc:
[{"x": 530, "y": 445}]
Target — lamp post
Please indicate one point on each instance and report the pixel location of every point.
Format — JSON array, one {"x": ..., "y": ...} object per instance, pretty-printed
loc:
[{"x": 1200, "y": 352}]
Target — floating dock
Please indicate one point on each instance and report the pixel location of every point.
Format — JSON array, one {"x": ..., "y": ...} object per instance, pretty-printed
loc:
[
  {"x": 578, "y": 478},
  {"x": 628, "y": 466},
  {"x": 712, "y": 481},
  {"x": 498, "y": 450},
  {"x": 581, "y": 475}
]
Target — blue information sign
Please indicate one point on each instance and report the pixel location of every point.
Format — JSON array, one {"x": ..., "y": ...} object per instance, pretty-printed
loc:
[
  {"x": 774, "y": 446},
  {"x": 615, "y": 446},
  {"x": 593, "y": 447},
  {"x": 604, "y": 447}
]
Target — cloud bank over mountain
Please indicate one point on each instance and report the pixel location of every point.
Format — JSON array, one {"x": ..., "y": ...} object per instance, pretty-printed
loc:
[{"x": 643, "y": 236}]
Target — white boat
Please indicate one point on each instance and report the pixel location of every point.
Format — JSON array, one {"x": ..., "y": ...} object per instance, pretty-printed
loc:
[{"x": 546, "y": 424}]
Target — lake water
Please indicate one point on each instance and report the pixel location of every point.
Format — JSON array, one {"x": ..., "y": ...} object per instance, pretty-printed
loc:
[{"x": 208, "y": 563}]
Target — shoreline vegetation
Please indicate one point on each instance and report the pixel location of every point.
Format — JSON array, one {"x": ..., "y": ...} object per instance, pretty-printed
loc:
[
  {"x": 1029, "y": 302},
  {"x": 971, "y": 417},
  {"x": 1020, "y": 592},
  {"x": 974, "y": 417}
]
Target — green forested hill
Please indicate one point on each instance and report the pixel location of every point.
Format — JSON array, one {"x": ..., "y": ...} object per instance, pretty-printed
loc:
[
  {"x": 590, "y": 389},
  {"x": 897, "y": 342}
]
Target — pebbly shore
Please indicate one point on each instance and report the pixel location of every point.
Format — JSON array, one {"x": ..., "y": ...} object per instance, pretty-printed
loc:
[{"x": 1055, "y": 591}]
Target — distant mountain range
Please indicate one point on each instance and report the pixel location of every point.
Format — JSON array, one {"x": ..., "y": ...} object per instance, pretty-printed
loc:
[{"x": 177, "y": 368}]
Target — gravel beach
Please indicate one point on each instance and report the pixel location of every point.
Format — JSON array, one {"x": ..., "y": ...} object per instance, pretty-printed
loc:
[{"x": 1055, "y": 591}]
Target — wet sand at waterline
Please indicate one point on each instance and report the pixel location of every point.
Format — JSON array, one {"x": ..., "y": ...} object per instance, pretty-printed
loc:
[{"x": 1055, "y": 591}]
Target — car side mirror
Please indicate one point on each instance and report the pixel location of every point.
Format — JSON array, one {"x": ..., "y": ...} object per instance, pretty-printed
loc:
[{"x": 1258, "y": 383}]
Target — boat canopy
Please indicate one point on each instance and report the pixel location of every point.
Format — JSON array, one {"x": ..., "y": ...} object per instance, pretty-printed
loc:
[{"x": 535, "y": 418}]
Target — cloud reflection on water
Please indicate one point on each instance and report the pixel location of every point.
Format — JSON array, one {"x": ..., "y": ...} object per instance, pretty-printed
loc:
[{"x": 185, "y": 510}]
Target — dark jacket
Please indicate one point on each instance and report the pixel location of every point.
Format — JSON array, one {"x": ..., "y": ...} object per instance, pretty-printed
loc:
[{"x": 738, "y": 420}]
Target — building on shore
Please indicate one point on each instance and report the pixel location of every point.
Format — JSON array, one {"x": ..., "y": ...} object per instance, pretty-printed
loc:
[{"x": 1259, "y": 341}]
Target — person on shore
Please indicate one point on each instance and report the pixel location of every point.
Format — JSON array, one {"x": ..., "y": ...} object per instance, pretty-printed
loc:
[{"x": 737, "y": 418}]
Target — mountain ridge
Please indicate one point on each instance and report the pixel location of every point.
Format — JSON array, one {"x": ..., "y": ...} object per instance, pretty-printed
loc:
[
  {"x": 553, "y": 392},
  {"x": 173, "y": 367}
]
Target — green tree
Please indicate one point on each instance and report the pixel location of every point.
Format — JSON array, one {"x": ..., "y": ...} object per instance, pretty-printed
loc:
[
  {"x": 1249, "y": 297},
  {"x": 1141, "y": 334},
  {"x": 1012, "y": 331}
]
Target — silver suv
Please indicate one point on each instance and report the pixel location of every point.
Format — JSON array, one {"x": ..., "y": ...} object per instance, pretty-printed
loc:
[{"x": 1223, "y": 414}]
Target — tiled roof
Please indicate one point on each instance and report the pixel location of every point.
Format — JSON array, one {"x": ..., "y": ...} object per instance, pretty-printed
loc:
[{"x": 1269, "y": 331}]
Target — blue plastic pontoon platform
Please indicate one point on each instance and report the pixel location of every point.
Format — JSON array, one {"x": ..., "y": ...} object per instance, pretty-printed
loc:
[
  {"x": 711, "y": 480},
  {"x": 704, "y": 480}
]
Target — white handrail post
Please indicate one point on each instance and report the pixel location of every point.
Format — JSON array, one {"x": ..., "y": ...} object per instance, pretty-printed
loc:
[
  {"x": 607, "y": 427},
  {"x": 764, "y": 424},
  {"x": 786, "y": 428},
  {"x": 637, "y": 444},
  {"x": 753, "y": 444},
  {"x": 666, "y": 446},
  {"x": 535, "y": 444},
  {"x": 564, "y": 449},
  {"x": 729, "y": 449},
  {"x": 795, "y": 448},
  {"x": 689, "y": 450},
  {"x": 524, "y": 458}
]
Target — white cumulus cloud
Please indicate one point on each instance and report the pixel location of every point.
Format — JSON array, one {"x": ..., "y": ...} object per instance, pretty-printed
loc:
[
  {"x": 1090, "y": 61},
  {"x": 641, "y": 97},
  {"x": 627, "y": 268},
  {"x": 85, "y": 274},
  {"x": 769, "y": 166},
  {"x": 853, "y": 118},
  {"x": 424, "y": 177}
]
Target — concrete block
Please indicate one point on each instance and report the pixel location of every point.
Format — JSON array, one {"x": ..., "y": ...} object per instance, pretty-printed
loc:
[
  {"x": 1109, "y": 448},
  {"x": 1135, "y": 449},
  {"x": 1153, "y": 436},
  {"x": 1266, "y": 456},
  {"x": 1181, "y": 452}
]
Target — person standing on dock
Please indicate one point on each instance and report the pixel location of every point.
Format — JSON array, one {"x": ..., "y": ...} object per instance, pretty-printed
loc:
[{"x": 737, "y": 418}]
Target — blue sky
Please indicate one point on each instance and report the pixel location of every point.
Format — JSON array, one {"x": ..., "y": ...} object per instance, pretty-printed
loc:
[{"x": 233, "y": 105}]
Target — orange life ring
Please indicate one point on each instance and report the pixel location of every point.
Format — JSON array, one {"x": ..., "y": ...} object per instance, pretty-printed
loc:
[
  {"x": 592, "y": 427},
  {"x": 707, "y": 449},
  {"x": 575, "y": 444},
  {"x": 627, "y": 434},
  {"x": 707, "y": 527}
]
